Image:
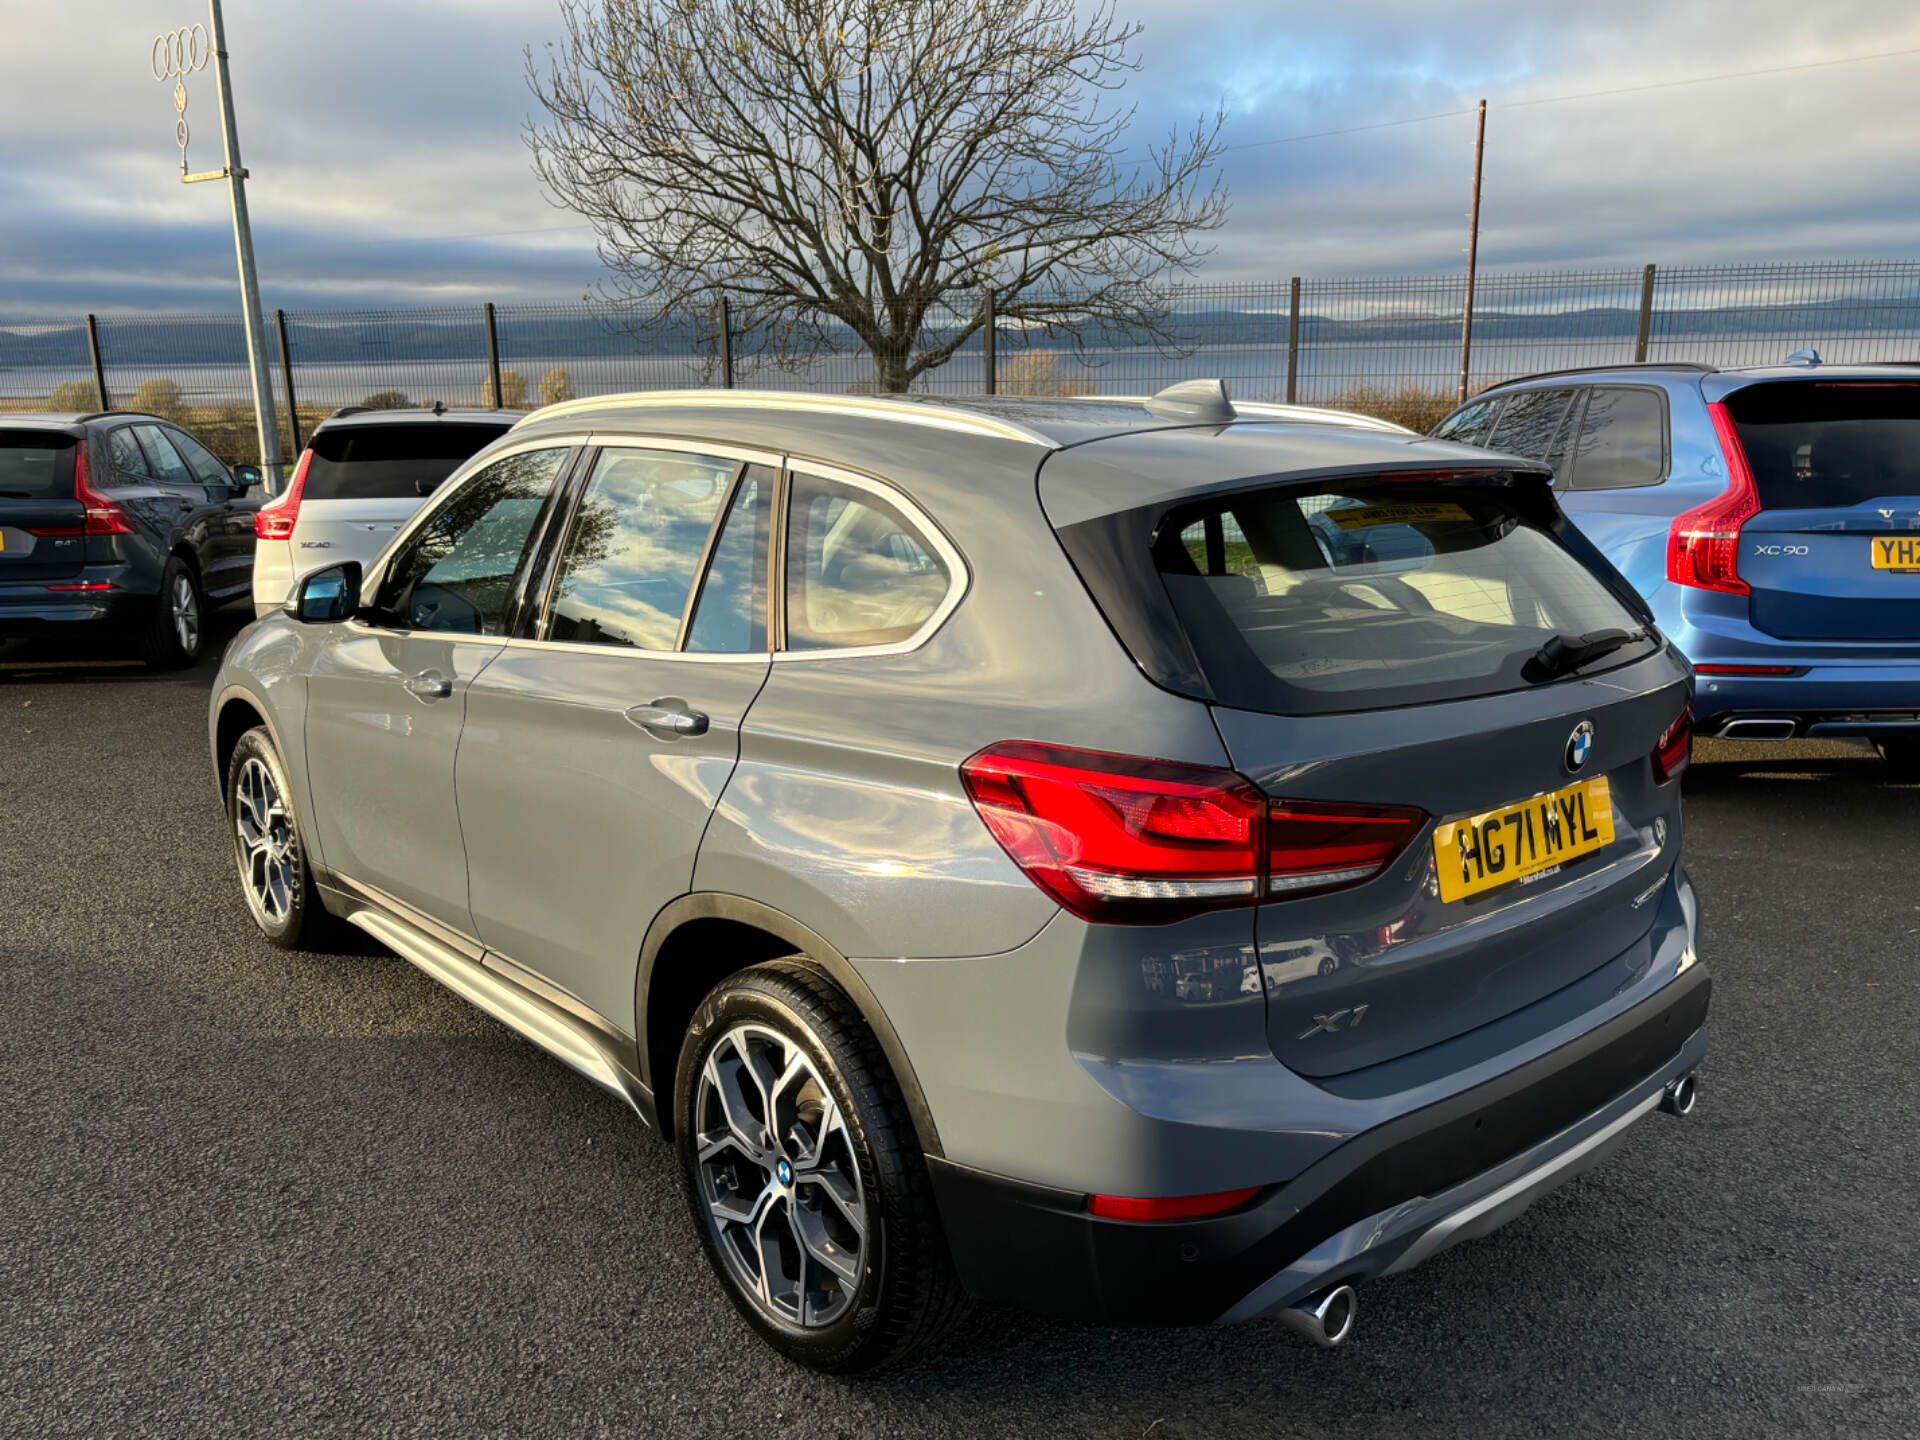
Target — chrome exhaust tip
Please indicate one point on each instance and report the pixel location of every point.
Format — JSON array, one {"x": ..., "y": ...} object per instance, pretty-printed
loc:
[
  {"x": 1680, "y": 1095},
  {"x": 1779, "y": 728},
  {"x": 1326, "y": 1319}
]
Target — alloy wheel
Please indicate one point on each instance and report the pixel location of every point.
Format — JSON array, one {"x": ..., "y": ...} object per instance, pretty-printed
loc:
[
  {"x": 268, "y": 848},
  {"x": 185, "y": 609},
  {"x": 779, "y": 1178}
]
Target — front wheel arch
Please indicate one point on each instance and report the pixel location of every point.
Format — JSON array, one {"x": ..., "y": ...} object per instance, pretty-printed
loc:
[{"x": 747, "y": 932}]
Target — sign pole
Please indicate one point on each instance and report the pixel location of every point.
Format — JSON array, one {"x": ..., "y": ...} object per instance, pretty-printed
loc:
[{"x": 266, "y": 421}]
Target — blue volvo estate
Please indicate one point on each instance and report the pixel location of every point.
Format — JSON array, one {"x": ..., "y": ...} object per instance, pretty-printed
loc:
[{"x": 1771, "y": 517}]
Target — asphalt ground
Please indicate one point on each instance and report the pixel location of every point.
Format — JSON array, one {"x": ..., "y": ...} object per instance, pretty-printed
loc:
[{"x": 250, "y": 1193}]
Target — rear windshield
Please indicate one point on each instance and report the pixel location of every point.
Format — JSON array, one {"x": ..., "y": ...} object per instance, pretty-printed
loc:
[
  {"x": 35, "y": 465},
  {"x": 388, "y": 462},
  {"x": 1368, "y": 594},
  {"x": 1816, "y": 445}
]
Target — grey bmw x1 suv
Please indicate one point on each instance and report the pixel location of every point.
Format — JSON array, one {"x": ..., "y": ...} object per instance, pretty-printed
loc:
[{"x": 1154, "y": 861}]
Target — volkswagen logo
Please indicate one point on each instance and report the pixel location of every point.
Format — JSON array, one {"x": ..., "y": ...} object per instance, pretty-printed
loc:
[{"x": 1579, "y": 747}]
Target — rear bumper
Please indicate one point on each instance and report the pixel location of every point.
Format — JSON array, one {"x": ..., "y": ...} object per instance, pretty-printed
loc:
[
  {"x": 28, "y": 610},
  {"x": 1383, "y": 1201},
  {"x": 1824, "y": 700}
]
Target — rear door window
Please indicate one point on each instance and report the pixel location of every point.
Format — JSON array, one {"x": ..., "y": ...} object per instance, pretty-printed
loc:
[
  {"x": 1620, "y": 439},
  {"x": 35, "y": 465},
  {"x": 1834, "y": 444},
  {"x": 1530, "y": 422},
  {"x": 635, "y": 548},
  {"x": 127, "y": 454},
  {"x": 1369, "y": 594},
  {"x": 391, "y": 461},
  {"x": 730, "y": 618},
  {"x": 859, "y": 573},
  {"x": 1470, "y": 426}
]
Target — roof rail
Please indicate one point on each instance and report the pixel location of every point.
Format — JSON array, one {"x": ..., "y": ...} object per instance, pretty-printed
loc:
[
  {"x": 1690, "y": 365},
  {"x": 904, "y": 409}
]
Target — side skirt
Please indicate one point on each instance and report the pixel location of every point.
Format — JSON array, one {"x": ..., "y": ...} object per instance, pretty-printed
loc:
[{"x": 577, "y": 1042}]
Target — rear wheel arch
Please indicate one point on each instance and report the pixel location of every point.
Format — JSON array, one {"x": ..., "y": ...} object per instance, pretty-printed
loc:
[{"x": 705, "y": 937}]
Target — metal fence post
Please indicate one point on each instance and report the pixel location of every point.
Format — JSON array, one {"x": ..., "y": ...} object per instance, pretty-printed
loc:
[
  {"x": 726, "y": 344},
  {"x": 286, "y": 375},
  {"x": 493, "y": 358},
  {"x": 1293, "y": 341},
  {"x": 99, "y": 371},
  {"x": 1646, "y": 317},
  {"x": 988, "y": 356}
]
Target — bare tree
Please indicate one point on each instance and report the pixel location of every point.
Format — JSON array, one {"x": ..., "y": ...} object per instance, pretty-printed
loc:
[{"x": 859, "y": 162}]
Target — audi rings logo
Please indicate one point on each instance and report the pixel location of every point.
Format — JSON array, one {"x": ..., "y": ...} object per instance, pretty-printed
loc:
[{"x": 178, "y": 53}]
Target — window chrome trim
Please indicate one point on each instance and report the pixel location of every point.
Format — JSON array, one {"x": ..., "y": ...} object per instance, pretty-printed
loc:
[
  {"x": 959, "y": 577},
  {"x": 911, "y": 412}
]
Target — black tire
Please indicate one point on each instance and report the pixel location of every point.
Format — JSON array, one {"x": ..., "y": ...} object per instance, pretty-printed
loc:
[
  {"x": 907, "y": 1294},
  {"x": 296, "y": 920},
  {"x": 1902, "y": 757},
  {"x": 165, "y": 647}
]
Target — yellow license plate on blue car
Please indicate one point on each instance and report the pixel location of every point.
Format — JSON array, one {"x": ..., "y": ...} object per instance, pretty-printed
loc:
[{"x": 1526, "y": 838}]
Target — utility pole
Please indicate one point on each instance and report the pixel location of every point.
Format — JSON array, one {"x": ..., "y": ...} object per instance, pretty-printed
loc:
[
  {"x": 1473, "y": 251},
  {"x": 177, "y": 54}
]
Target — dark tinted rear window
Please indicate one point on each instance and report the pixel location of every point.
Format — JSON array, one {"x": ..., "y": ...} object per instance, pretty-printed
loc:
[
  {"x": 1815, "y": 445},
  {"x": 386, "y": 462},
  {"x": 35, "y": 465},
  {"x": 1367, "y": 594}
]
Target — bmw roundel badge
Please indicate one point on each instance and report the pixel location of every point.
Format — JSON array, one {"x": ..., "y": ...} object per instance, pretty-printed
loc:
[{"x": 1579, "y": 747}]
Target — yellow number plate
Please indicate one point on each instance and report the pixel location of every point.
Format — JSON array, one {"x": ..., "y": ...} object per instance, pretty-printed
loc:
[
  {"x": 1486, "y": 851},
  {"x": 1896, "y": 554}
]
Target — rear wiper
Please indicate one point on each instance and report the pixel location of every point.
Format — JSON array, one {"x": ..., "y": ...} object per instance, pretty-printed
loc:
[{"x": 1564, "y": 654}]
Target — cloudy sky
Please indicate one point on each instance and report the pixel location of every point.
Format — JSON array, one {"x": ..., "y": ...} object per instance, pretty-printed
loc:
[{"x": 384, "y": 141}]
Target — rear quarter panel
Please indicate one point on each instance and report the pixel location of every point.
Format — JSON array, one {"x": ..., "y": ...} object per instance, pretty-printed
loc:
[{"x": 847, "y": 809}]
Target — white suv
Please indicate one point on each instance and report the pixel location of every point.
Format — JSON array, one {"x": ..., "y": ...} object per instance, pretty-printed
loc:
[{"x": 363, "y": 474}]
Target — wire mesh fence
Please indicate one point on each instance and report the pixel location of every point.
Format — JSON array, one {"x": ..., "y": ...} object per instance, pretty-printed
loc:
[{"x": 1388, "y": 345}]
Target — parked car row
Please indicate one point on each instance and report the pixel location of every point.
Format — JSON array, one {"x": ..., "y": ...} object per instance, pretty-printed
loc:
[
  {"x": 1155, "y": 860},
  {"x": 119, "y": 529}
]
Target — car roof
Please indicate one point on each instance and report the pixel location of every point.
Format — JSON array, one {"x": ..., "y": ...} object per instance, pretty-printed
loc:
[
  {"x": 1716, "y": 379},
  {"x": 962, "y": 455},
  {"x": 72, "y": 421},
  {"x": 1053, "y": 422},
  {"x": 357, "y": 415}
]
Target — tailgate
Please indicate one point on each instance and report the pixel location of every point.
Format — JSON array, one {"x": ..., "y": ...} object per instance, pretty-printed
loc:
[
  {"x": 42, "y": 535},
  {"x": 1834, "y": 553},
  {"x": 1369, "y": 974}
]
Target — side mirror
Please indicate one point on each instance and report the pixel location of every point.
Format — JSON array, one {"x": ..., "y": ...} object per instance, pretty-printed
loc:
[
  {"x": 327, "y": 595},
  {"x": 247, "y": 476}
]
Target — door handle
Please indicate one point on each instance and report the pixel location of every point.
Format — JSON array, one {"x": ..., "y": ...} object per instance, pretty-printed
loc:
[
  {"x": 669, "y": 718},
  {"x": 429, "y": 685}
]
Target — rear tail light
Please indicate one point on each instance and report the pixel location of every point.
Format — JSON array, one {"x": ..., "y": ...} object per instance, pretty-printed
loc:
[
  {"x": 1674, "y": 749},
  {"x": 1314, "y": 848},
  {"x": 1746, "y": 669},
  {"x": 1112, "y": 837},
  {"x": 1169, "y": 1207},
  {"x": 275, "y": 519},
  {"x": 1703, "y": 544},
  {"x": 103, "y": 516}
]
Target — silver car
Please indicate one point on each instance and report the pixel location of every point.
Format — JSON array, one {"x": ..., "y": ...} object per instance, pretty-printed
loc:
[{"x": 1157, "y": 861}]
